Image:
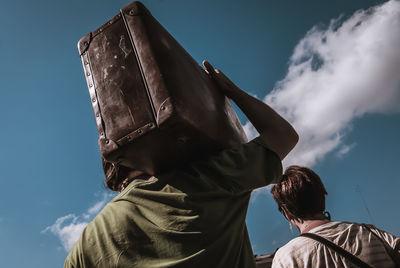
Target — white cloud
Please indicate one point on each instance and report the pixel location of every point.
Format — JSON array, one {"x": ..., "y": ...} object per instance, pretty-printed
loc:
[
  {"x": 97, "y": 207},
  {"x": 337, "y": 74},
  {"x": 69, "y": 228},
  {"x": 344, "y": 150},
  {"x": 250, "y": 131}
]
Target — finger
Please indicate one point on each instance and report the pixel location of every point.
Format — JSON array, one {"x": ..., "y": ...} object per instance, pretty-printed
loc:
[
  {"x": 222, "y": 76},
  {"x": 208, "y": 67},
  {"x": 224, "y": 80},
  {"x": 204, "y": 66}
]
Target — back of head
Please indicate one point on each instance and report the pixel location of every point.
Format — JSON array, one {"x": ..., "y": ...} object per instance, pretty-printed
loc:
[{"x": 301, "y": 193}]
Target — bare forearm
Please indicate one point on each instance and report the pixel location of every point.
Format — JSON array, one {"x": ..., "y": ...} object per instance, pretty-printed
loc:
[{"x": 275, "y": 131}]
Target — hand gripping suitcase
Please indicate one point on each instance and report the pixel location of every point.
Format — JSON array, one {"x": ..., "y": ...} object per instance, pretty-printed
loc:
[{"x": 155, "y": 107}]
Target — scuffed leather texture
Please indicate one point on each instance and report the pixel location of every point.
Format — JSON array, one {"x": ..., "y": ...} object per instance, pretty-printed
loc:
[{"x": 155, "y": 107}]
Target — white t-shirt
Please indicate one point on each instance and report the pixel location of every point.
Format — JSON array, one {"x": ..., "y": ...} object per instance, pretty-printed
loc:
[{"x": 353, "y": 237}]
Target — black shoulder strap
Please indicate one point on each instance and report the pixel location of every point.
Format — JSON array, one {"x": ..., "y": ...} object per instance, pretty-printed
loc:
[
  {"x": 338, "y": 249},
  {"x": 392, "y": 252}
]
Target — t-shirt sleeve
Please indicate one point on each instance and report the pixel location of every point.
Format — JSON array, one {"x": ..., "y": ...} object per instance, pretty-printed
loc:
[
  {"x": 75, "y": 256},
  {"x": 247, "y": 167},
  {"x": 69, "y": 262}
]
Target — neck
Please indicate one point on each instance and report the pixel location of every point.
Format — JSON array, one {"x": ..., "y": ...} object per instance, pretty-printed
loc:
[
  {"x": 134, "y": 174},
  {"x": 307, "y": 225}
]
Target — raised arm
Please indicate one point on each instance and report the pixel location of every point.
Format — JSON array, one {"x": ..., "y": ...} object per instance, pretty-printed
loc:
[{"x": 275, "y": 131}]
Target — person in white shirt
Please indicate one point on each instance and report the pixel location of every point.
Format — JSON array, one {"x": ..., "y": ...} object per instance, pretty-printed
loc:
[{"x": 300, "y": 196}]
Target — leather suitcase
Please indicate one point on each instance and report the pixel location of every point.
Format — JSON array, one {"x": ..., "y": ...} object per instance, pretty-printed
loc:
[{"x": 154, "y": 106}]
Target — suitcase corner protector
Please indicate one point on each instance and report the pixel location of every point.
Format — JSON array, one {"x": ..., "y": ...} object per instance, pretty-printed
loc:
[
  {"x": 165, "y": 111},
  {"x": 135, "y": 9},
  {"x": 84, "y": 43},
  {"x": 107, "y": 147}
]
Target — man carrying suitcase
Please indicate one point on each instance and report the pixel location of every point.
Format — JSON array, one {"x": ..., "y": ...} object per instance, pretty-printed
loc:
[{"x": 193, "y": 216}]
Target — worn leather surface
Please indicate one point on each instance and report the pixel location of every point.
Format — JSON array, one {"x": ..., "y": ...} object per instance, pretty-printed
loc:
[{"x": 154, "y": 105}]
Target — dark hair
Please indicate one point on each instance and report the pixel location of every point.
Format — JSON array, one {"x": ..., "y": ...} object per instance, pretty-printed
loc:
[
  {"x": 116, "y": 175},
  {"x": 301, "y": 192}
]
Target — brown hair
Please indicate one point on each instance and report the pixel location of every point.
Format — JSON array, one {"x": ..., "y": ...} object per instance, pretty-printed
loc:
[
  {"x": 117, "y": 176},
  {"x": 300, "y": 193}
]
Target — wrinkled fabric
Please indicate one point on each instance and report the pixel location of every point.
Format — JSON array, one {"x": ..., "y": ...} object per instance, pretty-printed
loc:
[
  {"x": 353, "y": 237},
  {"x": 190, "y": 217}
]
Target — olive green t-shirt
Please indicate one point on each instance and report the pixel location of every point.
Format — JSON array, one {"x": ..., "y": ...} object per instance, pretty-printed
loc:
[{"x": 189, "y": 217}]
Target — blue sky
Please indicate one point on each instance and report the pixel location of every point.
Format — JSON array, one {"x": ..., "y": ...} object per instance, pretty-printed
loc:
[{"x": 339, "y": 85}]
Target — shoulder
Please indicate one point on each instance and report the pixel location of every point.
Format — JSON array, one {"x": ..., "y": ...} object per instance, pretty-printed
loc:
[
  {"x": 243, "y": 168},
  {"x": 339, "y": 227},
  {"x": 295, "y": 252},
  {"x": 249, "y": 156},
  {"x": 69, "y": 262},
  {"x": 391, "y": 239},
  {"x": 75, "y": 256},
  {"x": 295, "y": 246},
  {"x": 249, "y": 149},
  {"x": 99, "y": 243}
]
